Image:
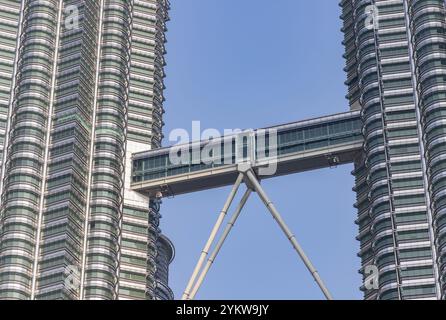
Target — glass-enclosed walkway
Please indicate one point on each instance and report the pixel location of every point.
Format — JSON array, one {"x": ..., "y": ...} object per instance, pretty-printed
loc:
[{"x": 289, "y": 148}]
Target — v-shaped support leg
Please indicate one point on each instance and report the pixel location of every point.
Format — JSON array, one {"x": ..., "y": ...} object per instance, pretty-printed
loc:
[
  {"x": 211, "y": 239},
  {"x": 291, "y": 237},
  {"x": 220, "y": 243},
  {"x": 253, "y": 184}
]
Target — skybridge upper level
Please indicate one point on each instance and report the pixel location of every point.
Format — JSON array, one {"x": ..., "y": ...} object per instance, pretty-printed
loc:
[{"x": 274, "y": 151}]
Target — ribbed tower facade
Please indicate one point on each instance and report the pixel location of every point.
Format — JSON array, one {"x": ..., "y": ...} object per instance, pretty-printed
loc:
[
  {"x": 81, "y": 88},
  {"x": 396, "y": 69}
]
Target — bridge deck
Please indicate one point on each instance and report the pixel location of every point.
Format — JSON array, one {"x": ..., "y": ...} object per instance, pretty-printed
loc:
[{"x": 300, "y": 146}]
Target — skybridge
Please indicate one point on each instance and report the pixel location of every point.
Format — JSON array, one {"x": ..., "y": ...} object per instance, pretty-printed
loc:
[
  {"x": 247, "y": 156},
  {"x": 299, "y": 146}
]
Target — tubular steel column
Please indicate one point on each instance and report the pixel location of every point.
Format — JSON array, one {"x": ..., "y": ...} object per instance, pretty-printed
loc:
[
  {"x": 211, "y": 239},
  {"x": 220, "y": 243},
  {"x": 258, "y": 188}
]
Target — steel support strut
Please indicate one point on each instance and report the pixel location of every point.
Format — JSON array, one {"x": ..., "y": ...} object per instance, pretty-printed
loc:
[
  {"x": 258, "y": 188},
  {"x": 253, "y": 184},
  {"x": 211, "y": 239},
  {"x": 220, "y": 243}
]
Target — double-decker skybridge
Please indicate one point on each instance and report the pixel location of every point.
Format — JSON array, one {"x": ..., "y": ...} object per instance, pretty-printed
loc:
[
  {"x": 301, "y": 146},
  {"x": 249, "y": 157}
]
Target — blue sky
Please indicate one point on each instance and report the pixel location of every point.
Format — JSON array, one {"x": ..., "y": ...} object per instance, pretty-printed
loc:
[{"x": 250, "y": 64}]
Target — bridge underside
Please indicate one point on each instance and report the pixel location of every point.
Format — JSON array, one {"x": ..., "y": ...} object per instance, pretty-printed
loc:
[{"x": 300, "y": 146}]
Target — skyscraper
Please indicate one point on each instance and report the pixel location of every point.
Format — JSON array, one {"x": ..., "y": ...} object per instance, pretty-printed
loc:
[
  {"x": 395, "y": 53},
  {"x": 396, "y": 65},
  {"x": 81, "y": 89}
]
